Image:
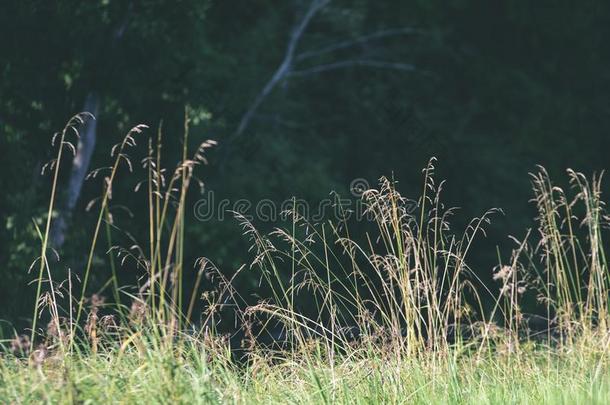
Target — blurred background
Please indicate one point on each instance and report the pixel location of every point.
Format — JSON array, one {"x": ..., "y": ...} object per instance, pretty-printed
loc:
[{"x": 303, "y": 96}]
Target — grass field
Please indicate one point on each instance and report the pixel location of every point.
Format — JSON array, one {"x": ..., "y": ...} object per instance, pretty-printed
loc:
[
  {"x": 394, "y": 315},
  {"x": 188, "y": 373}
]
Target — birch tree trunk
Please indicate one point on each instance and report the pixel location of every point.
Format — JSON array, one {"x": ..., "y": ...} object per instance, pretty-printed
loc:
[{"x": 80, "y": 168}]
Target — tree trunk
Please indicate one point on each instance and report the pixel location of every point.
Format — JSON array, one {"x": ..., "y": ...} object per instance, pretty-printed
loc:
[{"x": 80, "y": 168}]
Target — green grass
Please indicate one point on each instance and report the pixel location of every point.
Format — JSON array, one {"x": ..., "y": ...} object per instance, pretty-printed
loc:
[
  {"x": 424, "y": 332},
  {"x": 191, "y": 374}
]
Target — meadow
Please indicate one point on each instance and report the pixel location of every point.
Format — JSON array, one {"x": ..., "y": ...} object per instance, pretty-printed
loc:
[{"x": 394, "y": 314}]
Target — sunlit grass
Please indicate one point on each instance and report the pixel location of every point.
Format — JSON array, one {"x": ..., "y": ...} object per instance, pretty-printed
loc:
[
  {"x": 188, "y": 373},
  {"x": 394, "y": 314}
]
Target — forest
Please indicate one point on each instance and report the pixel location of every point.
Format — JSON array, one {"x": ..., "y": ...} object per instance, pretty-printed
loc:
[{"x": 243, "y": 201}]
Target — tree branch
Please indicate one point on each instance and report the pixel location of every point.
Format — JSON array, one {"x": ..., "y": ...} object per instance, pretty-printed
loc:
[
  {"x": 353, "y": 63},
  {"x": 285, "y": 67},
  {"x": 357, "y": 41}
]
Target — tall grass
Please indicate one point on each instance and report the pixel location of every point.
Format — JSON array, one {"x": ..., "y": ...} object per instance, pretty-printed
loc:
[
  {"x": 389, "y": 312},
  {"x": 54, "y": 165}
]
